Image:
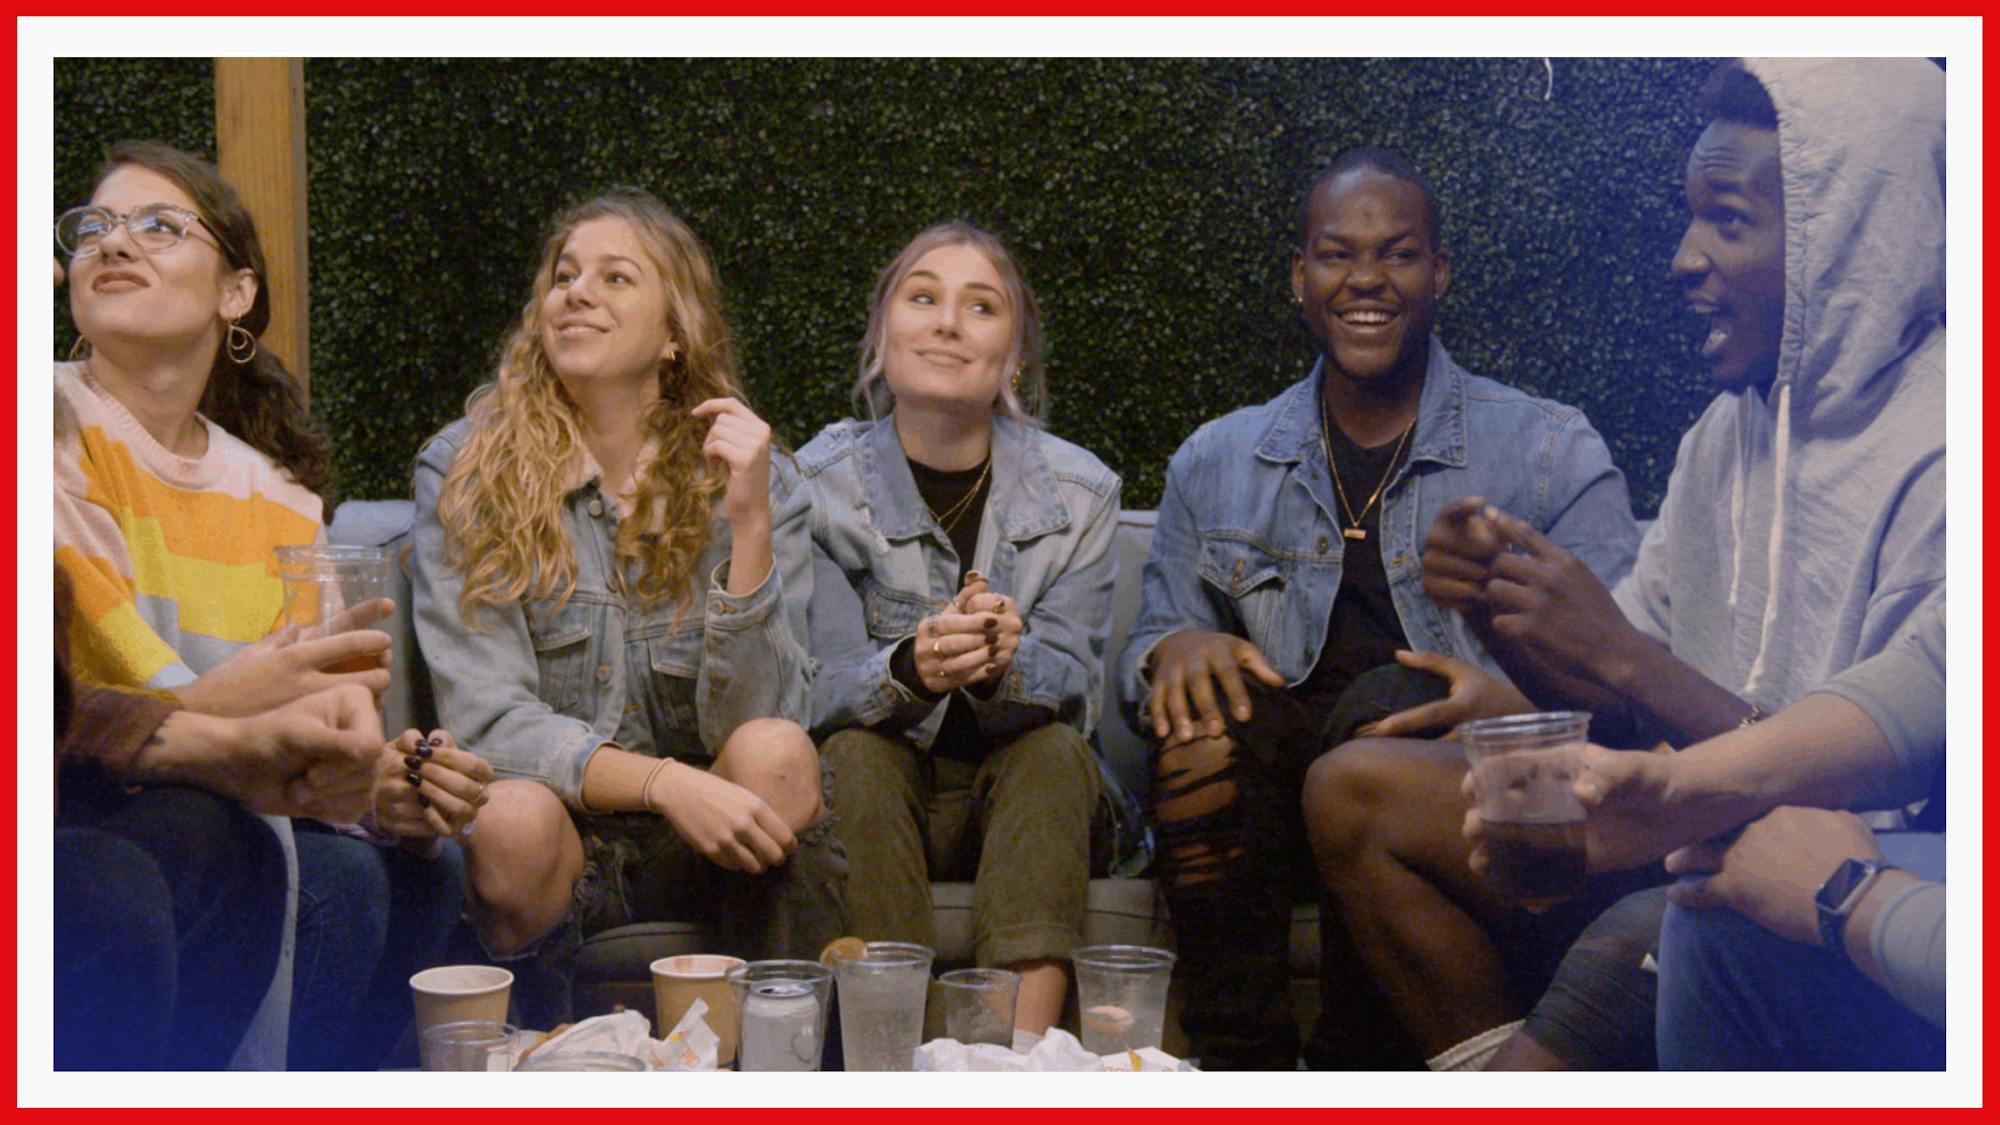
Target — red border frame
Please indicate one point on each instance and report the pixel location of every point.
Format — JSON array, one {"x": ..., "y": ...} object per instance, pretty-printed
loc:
[{"x": 10, "y": 616}]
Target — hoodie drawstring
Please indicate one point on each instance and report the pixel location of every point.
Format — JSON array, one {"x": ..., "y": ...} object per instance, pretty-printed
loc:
[{"x": 1774, "y": 573}]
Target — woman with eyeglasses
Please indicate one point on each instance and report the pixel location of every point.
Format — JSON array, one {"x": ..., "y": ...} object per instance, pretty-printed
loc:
[
  {"x": 602, "y": 595},
  {"x": 957, "y": 698},
  {"x": 184, "y": 456}
]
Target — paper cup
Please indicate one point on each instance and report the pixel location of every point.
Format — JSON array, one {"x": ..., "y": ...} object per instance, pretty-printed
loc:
[
  {"x": 677, "y": 981},
  {"x": 451, "y": 993}
]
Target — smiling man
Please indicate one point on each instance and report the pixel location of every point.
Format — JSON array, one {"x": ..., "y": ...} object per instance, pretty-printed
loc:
[{"x": 1282, "y": 606}]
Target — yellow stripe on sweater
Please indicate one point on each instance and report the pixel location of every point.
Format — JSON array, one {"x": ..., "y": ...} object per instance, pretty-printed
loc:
[
  {"x": 110, "y": 643},
  {"x": 230, "y": 602},
  {"x": 232, "y": 531}
]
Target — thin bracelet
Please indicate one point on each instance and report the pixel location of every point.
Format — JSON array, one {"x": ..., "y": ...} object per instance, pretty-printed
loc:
[
  {"x": 1750, "y": 720},
  {"x": 646, "y": 791}
]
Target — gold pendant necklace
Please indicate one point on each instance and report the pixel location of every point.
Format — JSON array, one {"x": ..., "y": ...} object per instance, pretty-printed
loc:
[
  {"x": 956, "y": 513},
  {"x": 1354, "y": 530}
]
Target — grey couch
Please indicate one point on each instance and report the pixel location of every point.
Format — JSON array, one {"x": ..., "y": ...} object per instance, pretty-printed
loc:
[{"x": 613, "y": 965}]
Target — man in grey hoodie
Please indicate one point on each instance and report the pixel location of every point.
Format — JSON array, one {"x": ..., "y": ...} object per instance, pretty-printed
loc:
[{"x": 1802, "y": 530}]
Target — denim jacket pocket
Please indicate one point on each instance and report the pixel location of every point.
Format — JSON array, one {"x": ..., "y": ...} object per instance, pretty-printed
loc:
[
  {"x": 562, "y": 653},
  {"x": 1249, "y": 575},
  {"x": 675, "y": 651},
  {"x": 892, "y": 614}
]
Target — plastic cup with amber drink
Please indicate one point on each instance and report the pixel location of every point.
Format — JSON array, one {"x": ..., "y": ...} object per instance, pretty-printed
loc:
[{"x": 332, "y": 588}]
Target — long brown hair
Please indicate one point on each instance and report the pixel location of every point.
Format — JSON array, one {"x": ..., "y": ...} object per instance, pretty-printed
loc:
[
  {"x": 260, "y": 401},
  {"x": 502, "y": 501}
]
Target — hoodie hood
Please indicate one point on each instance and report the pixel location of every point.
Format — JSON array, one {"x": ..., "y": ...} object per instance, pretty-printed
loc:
[
  {"x": 1805, "y": 525},
  {"x": 1861, "y": 151}
]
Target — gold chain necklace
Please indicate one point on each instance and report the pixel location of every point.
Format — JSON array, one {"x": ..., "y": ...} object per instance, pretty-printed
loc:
[
  {"x": 953, "y": 515},
  {"x": 1354, "y": 530}
]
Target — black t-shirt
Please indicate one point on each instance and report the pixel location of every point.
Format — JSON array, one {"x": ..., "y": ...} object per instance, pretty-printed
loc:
[
  {"x": 1363, "y": 630},
  {"x": 942, "y": 492}
]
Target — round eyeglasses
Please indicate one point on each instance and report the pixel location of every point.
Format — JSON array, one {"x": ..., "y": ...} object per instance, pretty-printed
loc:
[{"x": 156, "y": 227}]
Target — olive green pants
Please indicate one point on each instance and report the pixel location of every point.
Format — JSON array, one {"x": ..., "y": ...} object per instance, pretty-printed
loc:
[{"x": 1018, "y": 823}]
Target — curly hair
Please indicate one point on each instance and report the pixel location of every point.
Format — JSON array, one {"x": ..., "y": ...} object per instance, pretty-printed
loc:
[
  {"x": 502, "y": 500},
  {"x": 1023, "y": 399},
  {"x": 260, "y": 401}
]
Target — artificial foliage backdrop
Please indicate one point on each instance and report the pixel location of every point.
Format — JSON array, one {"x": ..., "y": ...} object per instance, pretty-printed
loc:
[{"x": 1152, "y": 203}]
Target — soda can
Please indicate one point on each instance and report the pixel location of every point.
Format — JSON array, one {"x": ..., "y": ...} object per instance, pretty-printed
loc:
[{"x": 780, "y": 1027}]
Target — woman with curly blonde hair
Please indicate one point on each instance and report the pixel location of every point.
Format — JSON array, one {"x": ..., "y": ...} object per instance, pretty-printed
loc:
[{"x": 599, "y": 594}]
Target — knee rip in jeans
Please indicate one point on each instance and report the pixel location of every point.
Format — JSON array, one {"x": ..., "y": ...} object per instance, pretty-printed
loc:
[{"x": 1196, "y": 811}]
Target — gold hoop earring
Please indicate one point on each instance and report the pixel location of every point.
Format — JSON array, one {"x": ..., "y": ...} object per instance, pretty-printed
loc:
[
  {"x": 1015, "y": 383},
  {"x": 240, "y": 344},
  {"x": 670, "y": 353},
  {"x": 79, "y": 350}
]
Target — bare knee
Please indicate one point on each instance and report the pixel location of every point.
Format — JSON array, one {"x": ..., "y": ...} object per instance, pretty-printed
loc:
[
  {"x": 1346, "y": 791},
  {"x": 517, "y": 892},
  {"x": 775, "y": 759}
]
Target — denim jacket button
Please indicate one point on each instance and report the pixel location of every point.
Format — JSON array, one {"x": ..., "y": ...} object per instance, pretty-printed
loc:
[
  {"x": 604, "y": 673},
  {"x": 595, "y": 507},
  {"x": 1323, "y": 544}
]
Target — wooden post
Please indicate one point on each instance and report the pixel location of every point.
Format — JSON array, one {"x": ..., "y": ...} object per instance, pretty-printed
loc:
[{"x": 260, "y": 143}]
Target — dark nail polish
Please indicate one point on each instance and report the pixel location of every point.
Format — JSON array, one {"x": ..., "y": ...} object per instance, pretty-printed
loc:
[
  {"x": 413, "y": 778},
  {"x": 991, "y": 624},
  {"x": 413, "y": 762},
  {"x": 424, "y": 749},
  {"x": 423, "y": 802}
]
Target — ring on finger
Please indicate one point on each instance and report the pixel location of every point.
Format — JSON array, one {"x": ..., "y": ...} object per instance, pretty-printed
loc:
[{"x": 936, "y": 647}]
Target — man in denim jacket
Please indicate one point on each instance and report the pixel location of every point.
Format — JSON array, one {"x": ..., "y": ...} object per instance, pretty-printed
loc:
[{"x": 1266, "y": 562}]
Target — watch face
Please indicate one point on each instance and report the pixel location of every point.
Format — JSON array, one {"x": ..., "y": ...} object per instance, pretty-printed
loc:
[
  {"x": 1841, "y": 892},
  {"x": 1833, "y": 893}
]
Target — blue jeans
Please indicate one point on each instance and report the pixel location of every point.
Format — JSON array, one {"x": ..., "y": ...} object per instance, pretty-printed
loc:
[
  {"x": 169, "y": 907},
  {"x": 368, "y": 918},
  {"x": 1735, "y": 996}
]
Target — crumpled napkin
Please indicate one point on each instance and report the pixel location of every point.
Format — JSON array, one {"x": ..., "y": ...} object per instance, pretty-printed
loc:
[
  {"x": 1057, "y": 1051},
  {"x": 689, "y": 1046}
]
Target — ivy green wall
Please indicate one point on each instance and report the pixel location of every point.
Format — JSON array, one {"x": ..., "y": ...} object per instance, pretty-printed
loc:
[{"x": 1151, "y": 201}]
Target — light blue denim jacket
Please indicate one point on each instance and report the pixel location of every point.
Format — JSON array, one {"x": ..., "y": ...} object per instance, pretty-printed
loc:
[
  {"x": 1248, "y": 542},
  {"x": 1044, "y": 540},
  {"x": 539, "y": 687}
]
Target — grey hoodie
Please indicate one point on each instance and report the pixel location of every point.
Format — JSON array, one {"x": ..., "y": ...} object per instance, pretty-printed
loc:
[{"x": 1804, "y": 527}]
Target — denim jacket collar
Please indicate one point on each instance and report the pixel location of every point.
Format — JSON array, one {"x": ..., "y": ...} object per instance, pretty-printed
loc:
[
  {"x": 1023, "y": 501},
  {"x": 1293, "y": 435}
]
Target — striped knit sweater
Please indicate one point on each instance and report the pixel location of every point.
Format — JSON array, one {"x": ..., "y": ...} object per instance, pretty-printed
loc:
[{"x": 171, "y": 556}]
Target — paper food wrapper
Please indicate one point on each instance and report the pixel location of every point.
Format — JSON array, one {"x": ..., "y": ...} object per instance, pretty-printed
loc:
[
  {"x": 689, "y": 1046},
  {"x": 1058, "y": 1051}
]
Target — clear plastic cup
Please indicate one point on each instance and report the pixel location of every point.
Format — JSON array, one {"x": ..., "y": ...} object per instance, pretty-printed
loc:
[
  {"x": 882, "y": 994},
  {"x": 1121, "y": 993},
  {"x": 1523, "y": 767},
  {"x": 330, "y": 588},
  {"x": 979, "y": 1005},
  {"x": 781, "y": 1014},
  {"x": 467, "y": 1045}
]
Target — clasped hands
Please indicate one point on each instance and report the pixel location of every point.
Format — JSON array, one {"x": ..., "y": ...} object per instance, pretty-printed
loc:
[
  {"x": 427, "y": 787},
  {"x": 971, "y": 642}
]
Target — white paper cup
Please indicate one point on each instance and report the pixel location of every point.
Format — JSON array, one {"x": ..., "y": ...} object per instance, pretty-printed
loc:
[
  {"x": 451, "y": 993},
  {"x": 677, "y": 981}
]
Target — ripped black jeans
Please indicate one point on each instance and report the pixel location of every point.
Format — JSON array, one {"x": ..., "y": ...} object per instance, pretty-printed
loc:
[{"x": 1233, "y": 859}]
